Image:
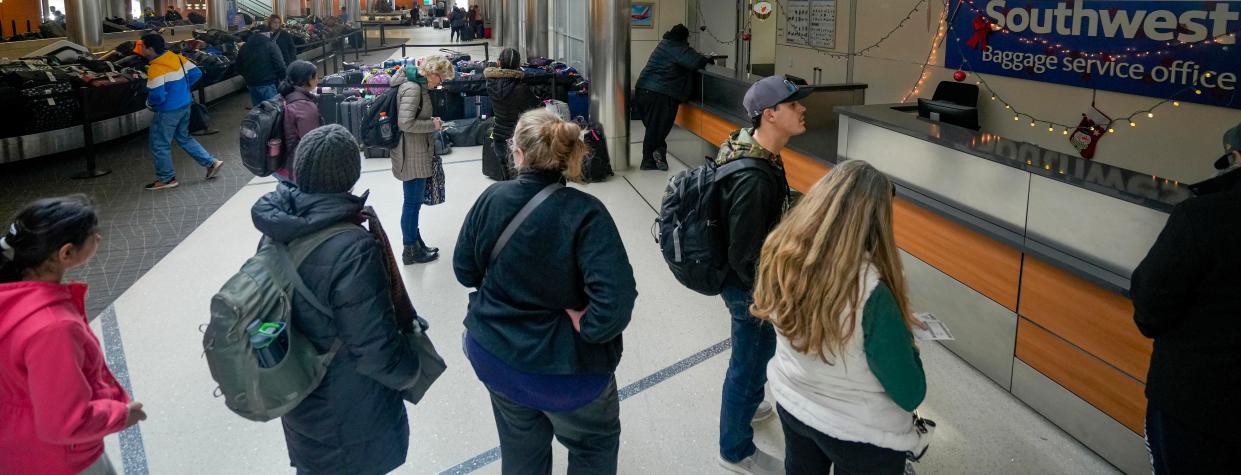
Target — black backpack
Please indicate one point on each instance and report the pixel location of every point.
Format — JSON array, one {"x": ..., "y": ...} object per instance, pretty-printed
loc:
[
  {"x": 377, "y": 133},
  {"x": 264, "y": 122},
  {"x": 692, "y": 234},
  {"x": 596, "y": 164}
]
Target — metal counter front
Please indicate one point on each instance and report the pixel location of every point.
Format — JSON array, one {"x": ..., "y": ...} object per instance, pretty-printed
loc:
[{"x": 1024, "y": 252}]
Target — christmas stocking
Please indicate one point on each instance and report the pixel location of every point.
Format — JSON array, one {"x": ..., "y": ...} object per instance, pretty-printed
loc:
[{"x": 1089, "y": 131}]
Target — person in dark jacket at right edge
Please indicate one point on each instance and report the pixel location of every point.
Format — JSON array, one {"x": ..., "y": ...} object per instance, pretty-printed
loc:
[
  {"x": 662, "y": 86},
  {"x": 1187, "y": 297},
  {"x": 261, "y": 64},
  {"x": 752, "y": 202},
  {"x": 354, "y": 422},
  {"x": 510, "y": 97},
  {"x": 543, "y": 329}
]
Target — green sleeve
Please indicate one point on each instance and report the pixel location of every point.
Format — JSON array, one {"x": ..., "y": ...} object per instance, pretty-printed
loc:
[{"x": 890, "y": 351}]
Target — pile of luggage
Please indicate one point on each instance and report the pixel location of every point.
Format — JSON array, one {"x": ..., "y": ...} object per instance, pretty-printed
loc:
[{"x": 49, "y": 92}]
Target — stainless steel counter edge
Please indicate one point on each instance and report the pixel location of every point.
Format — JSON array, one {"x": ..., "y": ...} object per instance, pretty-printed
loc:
[{"x": 1143, "y": 189}]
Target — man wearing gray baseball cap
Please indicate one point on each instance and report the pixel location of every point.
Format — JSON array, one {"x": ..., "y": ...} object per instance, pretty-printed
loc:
[
  {"x": 754, "y": 199},
  {"x": 1187, "y": 298}
]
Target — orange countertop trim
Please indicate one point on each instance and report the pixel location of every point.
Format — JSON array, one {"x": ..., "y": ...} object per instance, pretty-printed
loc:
[
  {"x": 1097, "y": 320},
  {"x": 1090, "y": 378}
]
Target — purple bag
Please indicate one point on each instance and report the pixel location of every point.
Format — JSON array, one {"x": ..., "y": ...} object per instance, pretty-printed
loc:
[{"x": 380, "y": 79}]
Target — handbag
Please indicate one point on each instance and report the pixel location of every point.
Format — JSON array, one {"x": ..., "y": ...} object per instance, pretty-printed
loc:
[
  {"x": 413, "y": 328},
  {"x": 434, "y": 193}
]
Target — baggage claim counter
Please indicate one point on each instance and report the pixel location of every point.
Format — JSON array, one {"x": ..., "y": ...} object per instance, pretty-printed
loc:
[{"x": 1024, "y": 252}]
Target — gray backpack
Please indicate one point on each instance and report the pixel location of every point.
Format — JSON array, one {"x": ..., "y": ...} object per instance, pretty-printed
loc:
[{"x": 262, "y": 293}]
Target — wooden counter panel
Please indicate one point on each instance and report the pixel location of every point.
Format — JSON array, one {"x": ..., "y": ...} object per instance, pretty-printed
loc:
[
  {"x": 977, "y": 261},
  {"x": 802, "y": 171},
  {"x": 1095, "y": 319},
  {"x": 1091, "y": 379}
]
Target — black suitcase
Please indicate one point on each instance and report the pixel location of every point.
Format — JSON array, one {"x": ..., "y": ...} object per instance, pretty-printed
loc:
[
  {"x": 378, "y": 152},
  {"x": 496, "y": 167},
  {"x": 329, "y": 107},
  {"x": 11, "y": 124},
  {"x": 597, "y": 164}
]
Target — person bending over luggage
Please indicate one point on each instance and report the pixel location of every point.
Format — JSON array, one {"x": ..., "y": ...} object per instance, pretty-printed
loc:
[
  {"x": 662, "y": 86},
  {"x": 301, "y": 109},
  {"x": 846, "y": 374},
  {"x": 172, "y": 14},
  {"x": 510, "y": 97},
  {"x": 282, "y": 39},
  {"x": 413, "y": 159},
  {"x": 355, "y": 420},
  {"x": 543, "y": 329},
  {"x": 169, "y": 79},
  {"x": 262, "y": 66},
  {"x": 59, "y": 398}
]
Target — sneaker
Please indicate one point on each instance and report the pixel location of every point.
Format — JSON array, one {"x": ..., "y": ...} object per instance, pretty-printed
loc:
[
  {"x": 764, "y": 412},
  {"x": 661, "y": 163},
  {"x": 214, "y": 168},
  {"x": 759, "y": 463},
  {"x": 162, "y": 185}
]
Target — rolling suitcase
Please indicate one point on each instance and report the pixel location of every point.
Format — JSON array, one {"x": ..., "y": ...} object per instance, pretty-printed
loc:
[
  {"x": 495, "y": 166},
  {"x": 596, "y": 164},
  {"x": 351, "y": 114},
  {"x": 329, "y": 108}
]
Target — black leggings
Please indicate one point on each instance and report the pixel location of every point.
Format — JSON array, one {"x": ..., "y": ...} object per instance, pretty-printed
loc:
[{"x": 808, "y": 451}]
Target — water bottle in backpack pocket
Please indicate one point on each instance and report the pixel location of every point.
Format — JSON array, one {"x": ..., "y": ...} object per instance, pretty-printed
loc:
[{"x": 262, "y": 126}]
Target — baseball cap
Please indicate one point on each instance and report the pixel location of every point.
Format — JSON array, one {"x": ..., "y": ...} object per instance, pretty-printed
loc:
[
  {"x": 1232, "y": 142},
  {"x": 770, "y": 91}
]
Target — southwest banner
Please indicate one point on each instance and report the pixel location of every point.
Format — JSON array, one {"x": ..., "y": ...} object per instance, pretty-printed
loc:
[{"x": 1177, "y": 50}]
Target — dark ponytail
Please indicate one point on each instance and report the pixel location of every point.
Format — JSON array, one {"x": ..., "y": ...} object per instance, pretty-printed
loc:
[
  {"x": 41, "y": 229},
  {"x": 299, "y": 74}
]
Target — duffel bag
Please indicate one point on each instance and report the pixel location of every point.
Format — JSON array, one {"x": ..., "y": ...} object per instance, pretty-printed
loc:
[
  {"x": 110, "y": 94},
  {"x": 596, "y": 164},
  {"x": 468, "y": 132}
]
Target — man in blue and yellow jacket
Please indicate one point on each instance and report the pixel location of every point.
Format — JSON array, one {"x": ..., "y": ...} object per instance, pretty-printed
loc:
[{"x": 169, "y": 78}]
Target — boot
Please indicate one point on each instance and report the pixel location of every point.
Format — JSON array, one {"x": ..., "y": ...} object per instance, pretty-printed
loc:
[
  {"x": 417, "y": 254},
  {"x": 661, "y": 162},
  {"x": 433, "y": 250}
]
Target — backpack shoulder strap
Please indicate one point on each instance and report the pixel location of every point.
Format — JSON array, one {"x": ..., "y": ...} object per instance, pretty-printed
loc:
[
  {"x": 298, "y": 250},
  {"x": 743, "y": 164},
  {"x": 521, "y": 216}
]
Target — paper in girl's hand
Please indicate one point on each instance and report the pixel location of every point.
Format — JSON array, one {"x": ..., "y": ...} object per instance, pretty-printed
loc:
[{"x": 935, "y": 329}]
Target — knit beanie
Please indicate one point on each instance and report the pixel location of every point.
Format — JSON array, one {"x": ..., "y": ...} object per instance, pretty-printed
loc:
[
  {"x": 327, "y": 161},
  {"x": 677, "y": 33}
]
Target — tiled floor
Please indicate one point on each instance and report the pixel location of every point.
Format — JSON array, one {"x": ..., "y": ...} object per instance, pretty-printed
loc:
[{"x": 675, "y": 356}]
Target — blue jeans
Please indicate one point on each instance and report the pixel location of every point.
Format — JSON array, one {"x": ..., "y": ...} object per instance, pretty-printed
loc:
[
  {"x": 258, "y": 94},
  {"x": 414, "y": 191},
  {"x": 169, "y": 126},
  {"x": 754, "y": 343}
]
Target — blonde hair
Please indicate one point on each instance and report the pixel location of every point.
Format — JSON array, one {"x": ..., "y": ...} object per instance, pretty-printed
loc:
[
  {"x": 808, "y": 274},
  {"x": 437, "y": 64},
  {"x": 548, "y": 142}
]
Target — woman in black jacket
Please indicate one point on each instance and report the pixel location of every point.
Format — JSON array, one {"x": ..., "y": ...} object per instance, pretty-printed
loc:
[
  {"x": 510, "y": 97},
  {"x": 662, "y": 86},
  {"x": 355, "y": 421},
  {"x": 544, "y": 327}
]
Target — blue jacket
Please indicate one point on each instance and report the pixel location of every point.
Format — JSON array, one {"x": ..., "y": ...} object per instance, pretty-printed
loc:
[{"x": 169, "y": 79}]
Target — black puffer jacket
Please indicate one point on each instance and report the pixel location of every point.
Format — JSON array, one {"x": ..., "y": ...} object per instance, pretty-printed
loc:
[
  {"x": 284, "y": 41},
  {"x": 670, "y": 69},
  {"x": 260, "y": 62},
  {"x": 355, "y": 421},
  {"x": 510, "y": 97},
  {"x": 567, "y": 254},
  {"x": 1187, "y": 296}
]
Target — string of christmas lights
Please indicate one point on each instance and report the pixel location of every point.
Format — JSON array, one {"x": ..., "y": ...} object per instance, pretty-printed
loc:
[
  {"x": 835, "y": 54},
  {"x": 1052, "y": 126},
  {"x": 940, "y": 33}
]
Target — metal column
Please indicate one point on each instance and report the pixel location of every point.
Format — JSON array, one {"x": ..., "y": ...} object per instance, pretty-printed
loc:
[
  {"x": 316, "y": 8},
  {"x": 354, "y": 9},
  {"x": 509, "y": 21},
  {"x": 279, "y": 8},
  {"x": 534, "y": 21},
  {"x": 608, "y": 71},
  {"x": 217, "y": 14},
  {"x": 84, "y": 22}
]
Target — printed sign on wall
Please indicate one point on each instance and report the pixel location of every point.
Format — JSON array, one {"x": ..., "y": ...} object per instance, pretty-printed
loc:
[
  {"x": 811, "y": 23},
  {"x": 1182, "y": 50}
]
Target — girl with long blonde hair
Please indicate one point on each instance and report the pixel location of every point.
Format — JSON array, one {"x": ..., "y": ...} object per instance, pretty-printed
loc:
[{"x": 846, "y": 373}]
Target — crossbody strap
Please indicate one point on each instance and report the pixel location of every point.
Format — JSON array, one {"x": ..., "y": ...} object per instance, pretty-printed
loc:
[{"x": 521, "y": 216}]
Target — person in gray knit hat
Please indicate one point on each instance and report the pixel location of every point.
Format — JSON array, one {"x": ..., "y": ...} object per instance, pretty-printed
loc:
[
  {"x": 355, "y": 421},
  {"x": 327, "y": 161}
]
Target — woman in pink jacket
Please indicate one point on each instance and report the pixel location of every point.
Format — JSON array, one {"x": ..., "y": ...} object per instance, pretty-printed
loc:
[{"x": 57, "y": 397}]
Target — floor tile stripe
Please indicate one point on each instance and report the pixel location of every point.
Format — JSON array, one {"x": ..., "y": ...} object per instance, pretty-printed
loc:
[
  {"x": 133, "y": 451},
  {"x": 632, "y": 389}
]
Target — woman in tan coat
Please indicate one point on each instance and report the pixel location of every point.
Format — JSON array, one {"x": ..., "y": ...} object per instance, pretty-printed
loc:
[{"x": 413, "y": 158}]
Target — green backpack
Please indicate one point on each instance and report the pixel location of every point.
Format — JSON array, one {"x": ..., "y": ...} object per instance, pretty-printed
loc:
[{"x": 260, "y": 295}]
